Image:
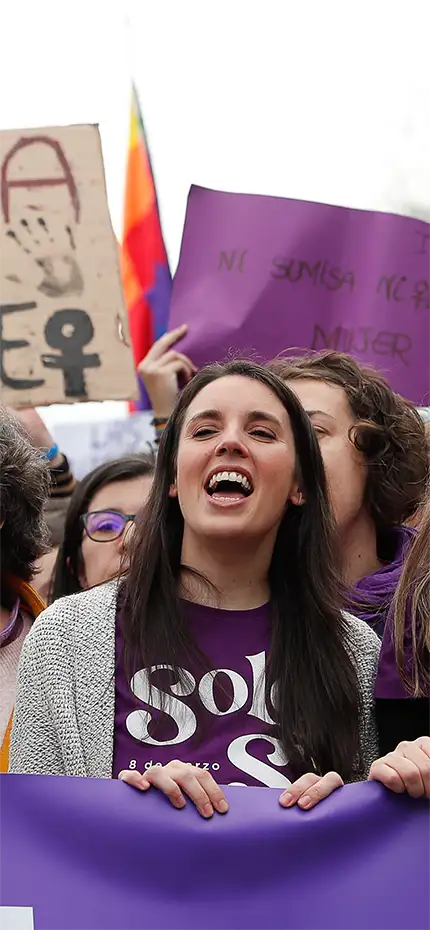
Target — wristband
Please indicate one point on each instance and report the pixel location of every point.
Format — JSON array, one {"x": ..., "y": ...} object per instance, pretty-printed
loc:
[
  {"x": 159, "y": 424},
  {"x": 51, "y": 454},
  {"x": 62, "y": 469}
]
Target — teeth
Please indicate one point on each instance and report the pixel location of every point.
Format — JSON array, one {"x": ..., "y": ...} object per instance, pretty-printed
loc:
[
  {"x": 230, "y": 476},
  {"x": 229, "y": 499}
]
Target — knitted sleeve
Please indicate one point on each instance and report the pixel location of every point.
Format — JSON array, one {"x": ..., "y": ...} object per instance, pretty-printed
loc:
[
  {"x": 36, "y": 747},
  {"x": 364, "y": 646}
]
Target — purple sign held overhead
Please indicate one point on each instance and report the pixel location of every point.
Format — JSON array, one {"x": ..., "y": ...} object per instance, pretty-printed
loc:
[{"x": 263, "y": 275}]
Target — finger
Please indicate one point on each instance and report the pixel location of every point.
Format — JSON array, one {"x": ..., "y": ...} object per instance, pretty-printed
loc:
[
  {"x": 292, "y": 794},
  {"x": 175, "y": 366},
  {"x": 388, "y": 776},
  {"x": 188, "y": 781},
  {"x": 323, "y": 787},
  {"x": 178, "y": 367},
  {"x": 414, "y": 753},
  {"x": 173, "y": 355},
  {"x": 170, "y": 362},
  {"x": 159, "y": 778},
  {"x": 213, "y": 791},
  {"x": 422, "y": 743},
  {"x": 166, "y": 340},
  {"x": 135, "y": 779},
  {"x": 400, "y": 774}
]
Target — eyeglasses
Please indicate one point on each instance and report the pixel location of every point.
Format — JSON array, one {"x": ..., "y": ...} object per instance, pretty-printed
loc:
[{"x": 106, "y": 525}]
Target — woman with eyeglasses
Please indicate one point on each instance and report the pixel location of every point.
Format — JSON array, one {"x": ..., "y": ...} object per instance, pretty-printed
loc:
[{"x": 101, "y": 513}]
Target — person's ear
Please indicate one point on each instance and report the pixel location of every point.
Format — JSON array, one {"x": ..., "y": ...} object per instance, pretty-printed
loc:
[
  {"x": 297, "y": 498},
  {"x": 173, "y": 491}
]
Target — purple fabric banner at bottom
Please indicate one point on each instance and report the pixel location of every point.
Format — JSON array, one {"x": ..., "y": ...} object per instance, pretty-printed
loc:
[{"x": 87, "y": 854}]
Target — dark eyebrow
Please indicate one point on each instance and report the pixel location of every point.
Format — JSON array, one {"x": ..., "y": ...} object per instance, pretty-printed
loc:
[
  {"x": 265, "y": 417},
  {"x": 252, "y": 415},
  {"x": 323, "y": 413},
  {"x": 205, "y": 415}
]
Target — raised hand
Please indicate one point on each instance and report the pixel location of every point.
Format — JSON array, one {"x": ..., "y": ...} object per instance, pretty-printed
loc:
[{"x": 160, "y": 369}]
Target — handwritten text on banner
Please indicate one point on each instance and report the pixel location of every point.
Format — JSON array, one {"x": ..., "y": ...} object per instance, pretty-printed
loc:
[{"x": 263, "y": 275}]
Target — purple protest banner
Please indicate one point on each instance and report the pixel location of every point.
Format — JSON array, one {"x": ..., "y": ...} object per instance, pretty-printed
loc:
[
  {"x": 263, "y": 274},
  {"x": 90, "y": 854}
]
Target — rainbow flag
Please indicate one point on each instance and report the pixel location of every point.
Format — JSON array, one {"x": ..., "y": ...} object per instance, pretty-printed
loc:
[{"x": 145, "y": 270}]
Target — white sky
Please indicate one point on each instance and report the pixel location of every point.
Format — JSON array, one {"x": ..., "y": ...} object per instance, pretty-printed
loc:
[{"x": 326, "y": 100}]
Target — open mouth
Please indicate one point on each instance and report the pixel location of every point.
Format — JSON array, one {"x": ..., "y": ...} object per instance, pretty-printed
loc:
[{"x": 228, "y": 486}]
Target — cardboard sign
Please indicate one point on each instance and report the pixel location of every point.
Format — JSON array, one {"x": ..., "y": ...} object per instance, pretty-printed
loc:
[
  {"x": 261, "y": 275},
  {"x": 63, "y": 326}
]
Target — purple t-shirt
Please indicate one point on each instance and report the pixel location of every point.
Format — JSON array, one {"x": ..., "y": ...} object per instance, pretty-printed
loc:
[{"x": 217, "y": 720}]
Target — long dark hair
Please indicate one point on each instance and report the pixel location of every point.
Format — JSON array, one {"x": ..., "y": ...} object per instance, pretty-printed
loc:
[
  {"x": 68, "y": 563},
  {"x": 318, "y": 696}
]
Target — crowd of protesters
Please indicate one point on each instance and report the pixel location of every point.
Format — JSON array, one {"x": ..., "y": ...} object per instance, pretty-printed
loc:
[{"x": 250, "y": 604}]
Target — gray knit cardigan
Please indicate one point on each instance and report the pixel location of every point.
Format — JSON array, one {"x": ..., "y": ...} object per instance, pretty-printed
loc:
[{"x": 65, "y": 703}]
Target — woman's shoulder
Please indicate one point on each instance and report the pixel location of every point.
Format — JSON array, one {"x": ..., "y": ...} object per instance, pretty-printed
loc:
[
  {"x": 75, "y": 617},
  {"x": 102, "y": 597}
]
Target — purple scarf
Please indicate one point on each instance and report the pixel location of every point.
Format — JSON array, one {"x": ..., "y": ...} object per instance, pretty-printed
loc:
[{"x": 371, "y": 597}]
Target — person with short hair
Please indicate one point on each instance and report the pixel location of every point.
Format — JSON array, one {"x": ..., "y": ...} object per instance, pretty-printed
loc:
[
  {"x": 62, "y": 480},
  {"x": 373, "y": 445},
  {"x": 24, "y": 485},
  {"x": 61, "y": 486}
]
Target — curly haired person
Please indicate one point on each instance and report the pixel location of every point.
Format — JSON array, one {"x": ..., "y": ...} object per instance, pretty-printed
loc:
[
  {"x": 373, "y": 444},
  {"x": 24, "y": 484}
]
